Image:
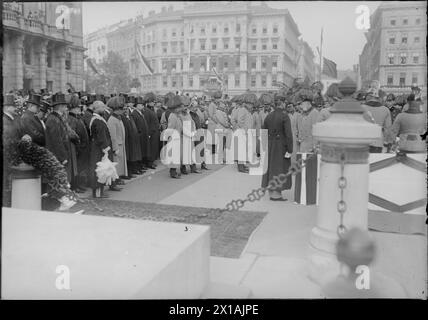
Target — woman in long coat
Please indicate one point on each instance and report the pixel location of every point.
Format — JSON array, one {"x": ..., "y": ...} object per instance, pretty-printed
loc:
[
  {"x": 132, "y": 144},
  {"x": 280, "y": 145}
]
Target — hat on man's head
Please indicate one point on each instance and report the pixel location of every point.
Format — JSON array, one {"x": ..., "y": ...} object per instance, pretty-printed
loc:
[
  {"x": 415, "y": 88},
  {"x": 9, "y": 100},
  {"x": 216, "y": 94},
  {"x": 58, "y": 99},
  {"x": 149, "y": 97},
  {"x": 139, "y": 100},
  {"x": 74, "y": 102},
  {"x": 266, "y": 99},
  {"x": 45, "y": 106},
  {"x": 373, "y": 100},
  {"x": 35, "y": 99},
  {"x": 185, "y": 100},
  {"x": 174, "y": 102},
  {"x": 116, "y": 103}
]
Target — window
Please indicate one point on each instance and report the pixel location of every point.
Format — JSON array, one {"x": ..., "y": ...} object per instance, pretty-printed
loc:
[
  {"x": 213, "y": 63},
  {"x": 164, "y": 33},
  {"x": 202, "y": 30},
  {"x": 237, "y": 62},
  {"x": 191, "y": 65},
  {"x": 393, "y": 22},
  {"x": 237, "y": 81},
  {"x": 174, "y": 33},
  {"x": 174, "y": 82},
  {"x": 49, "y": 58},
  {"x": 390, "y": 80},
  {"x": 263, "y": 81},
  {"x": 174, "y": 48},
  {"x": 49, "y": 85},
  {"x": 404, "y": 40},
  {"x": 418, "y": 21},
  {"x": 225, "y": 45},
  {"x": 164, "y": 50},
  {"x": 174, "y": 65},
  {"x": 203, "y": 46},
  {"x": 273, "y": 79},
  {"x": 392, "y": 40},
  {"x": 416, "y": 40},
  {"x": 164, "y": 82},
  {"x": 238, "y": 27},
  {"x": 403, "y": 58},
  {"x": 274, "y": 63},
  {"x": 264, "y": 30},
  {"x": 254, "y": 46},
  {"x": 264, "y": 63},
  {"x": 275, "y": 29},
  {"x": 214, "y": 46},
  {"x": 416, "y": 58},
  {"x": 253, "y": 64},
  {"x": 68, "y": 61},
  {"x": 274, "y": 46},
  {"x": 254, "y": 30},
  {"x": 402, "y": 79},
  {"x": 414, "y": 78},
  {"x": 225, "y": 64},
  {"x": 164, "y": 65},
  {"x": 264, "y": 46},
  {"x": 253, "y": 81},
  {"x": 405, "y": 22},
  {"x": 237, "y": 45},
  {"x": 391, "y": 58},
  {"x": 226, "y": 29},
  {"x": 190, "y": 81},
  {"x": 214, "y": 29}
]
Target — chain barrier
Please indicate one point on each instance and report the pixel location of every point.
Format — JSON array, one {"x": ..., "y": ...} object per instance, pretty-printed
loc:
[
  {"x": 274, "y": 183},
  {"x": 341, "y": 205}
]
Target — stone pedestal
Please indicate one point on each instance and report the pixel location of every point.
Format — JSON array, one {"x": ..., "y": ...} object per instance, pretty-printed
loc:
[{"x": 26, "y": 188}]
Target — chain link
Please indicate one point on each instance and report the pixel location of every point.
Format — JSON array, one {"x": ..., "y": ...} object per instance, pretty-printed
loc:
[
  {"x": 341, "y": 204},
  {"x": 274, "y": 183}
]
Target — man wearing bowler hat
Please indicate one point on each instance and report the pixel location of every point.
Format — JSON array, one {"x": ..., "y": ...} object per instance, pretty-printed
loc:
[
  {"x": 31, "y": 124},
  {"x": 153, "y": 127}
]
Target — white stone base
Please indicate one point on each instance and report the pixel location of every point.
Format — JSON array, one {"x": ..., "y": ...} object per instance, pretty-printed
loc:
[{"x": 104, "y": 257}]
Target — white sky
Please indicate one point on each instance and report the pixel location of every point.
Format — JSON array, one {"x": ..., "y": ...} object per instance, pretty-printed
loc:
[{"x": 342, "y": 43}]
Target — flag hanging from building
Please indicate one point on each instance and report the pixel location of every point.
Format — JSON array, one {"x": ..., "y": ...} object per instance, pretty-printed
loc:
[
  {"x": 329, "y": 68},
  {"x": 92, "y": 65},
  {"x": 143, "y": 59},
  {"x": 219, "y": 78}
]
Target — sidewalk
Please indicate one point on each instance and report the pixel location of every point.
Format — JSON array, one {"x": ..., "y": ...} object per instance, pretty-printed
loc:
[{"x": 274, "y": 263}]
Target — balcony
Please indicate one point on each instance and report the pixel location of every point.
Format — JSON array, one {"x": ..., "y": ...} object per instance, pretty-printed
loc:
[{"x": 15, "y": 21}]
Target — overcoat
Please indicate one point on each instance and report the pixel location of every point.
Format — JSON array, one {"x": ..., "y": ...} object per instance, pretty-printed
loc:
[
  {"x": 118, "y": 136},
  {"x": 280, "y": 141},
  {"x": 82, "y": 148},
  {"x": 305, "y": 123},
  {"x": 99, "y": 140},
  {"x": 33, "y": 126},
  {"x": 143, "y": 134},
  {"x": 87, "y": 116},
  {"x": 132, "y": 140},
  {"x": 154, "y": 133}
]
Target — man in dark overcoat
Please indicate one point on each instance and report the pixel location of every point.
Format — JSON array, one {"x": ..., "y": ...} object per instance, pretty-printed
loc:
[
  {"x": 132, "y": 141},
  {"x": 153, "y": 129},
  {"x": 31, "y": 124},
  {"x": 280, "y": 148},
  {"x": 141, "y": 123}
]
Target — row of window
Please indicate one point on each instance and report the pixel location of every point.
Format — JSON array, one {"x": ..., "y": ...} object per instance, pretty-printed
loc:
[
  {"x": 402, "y": 58},
  {"x": 202, "y": 82},
  {"x": 49, "y": 58},
  {"x": 416, "y": 39},
  {"x": 401, "y": 79},
  {"x": 404, "y": 21}
]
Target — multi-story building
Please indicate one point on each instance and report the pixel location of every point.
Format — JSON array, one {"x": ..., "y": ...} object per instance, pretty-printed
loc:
[
  {"x": 306, "y": 63},
  {"x": 250, "y": 47},
  {"x": 395, "y": 52},
  {"x": 42, "y": 48}
]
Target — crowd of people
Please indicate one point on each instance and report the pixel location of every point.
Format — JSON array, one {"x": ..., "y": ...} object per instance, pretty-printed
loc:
[{"x": 80, "y": 128}]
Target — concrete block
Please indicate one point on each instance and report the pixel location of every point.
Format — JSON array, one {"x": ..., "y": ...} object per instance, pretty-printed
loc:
[{"x": 52, "y": 255}]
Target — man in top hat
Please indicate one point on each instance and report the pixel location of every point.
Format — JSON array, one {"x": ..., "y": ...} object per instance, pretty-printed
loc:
[
  {"x": 57, "y": 133},
  {"x": 142, "y": 127},
  {"x": 31, "y": 124},
  {"x": 382, "y": 117},
  {"x": 132, "y": 141},
  {"x": 100, "y": 142},
  {"x": 305, "y": 122},
  {"x": 118, "y": 136},
  {"x": 81, "y": 146},
  {"x": 409, "y": 126},
  {"x": 153, "y": 129}
]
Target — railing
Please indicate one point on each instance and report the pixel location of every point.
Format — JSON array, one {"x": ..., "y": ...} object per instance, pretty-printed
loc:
[{"x": 10, "y": 15}]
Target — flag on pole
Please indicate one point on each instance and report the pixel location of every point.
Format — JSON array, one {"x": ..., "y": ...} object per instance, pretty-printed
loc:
[
  {"x": 143, "y": 59},
  {"x": 329, "y": 68},
  {"x": 219, "y": 78},
  {"x": 95, "y": 68}
]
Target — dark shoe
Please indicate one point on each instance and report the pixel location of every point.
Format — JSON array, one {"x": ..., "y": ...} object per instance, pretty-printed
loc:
[
  {"x": 193, "y": 169},
  {"x": 115, "y": 188},
  {"x": 173, "y": 173},
  {"x": 278, "y": 199},
  {"x": 125, "y": 177},
  {"x": 120, "y": 182},
  {"x": 131, "y": 176},
  {"x": 183, "y": 170},
  {"x": 204, "y": 166}
]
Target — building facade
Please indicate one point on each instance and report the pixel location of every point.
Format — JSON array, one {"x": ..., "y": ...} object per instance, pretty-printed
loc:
[
  {"x": 42, "y": 48},
  {"x": 248, "y": 46},
  {"x": 395, "y": 52}
]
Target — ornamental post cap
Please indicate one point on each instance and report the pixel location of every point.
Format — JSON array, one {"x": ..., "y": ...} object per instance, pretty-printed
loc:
[{"x": 347, "y": 87}]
